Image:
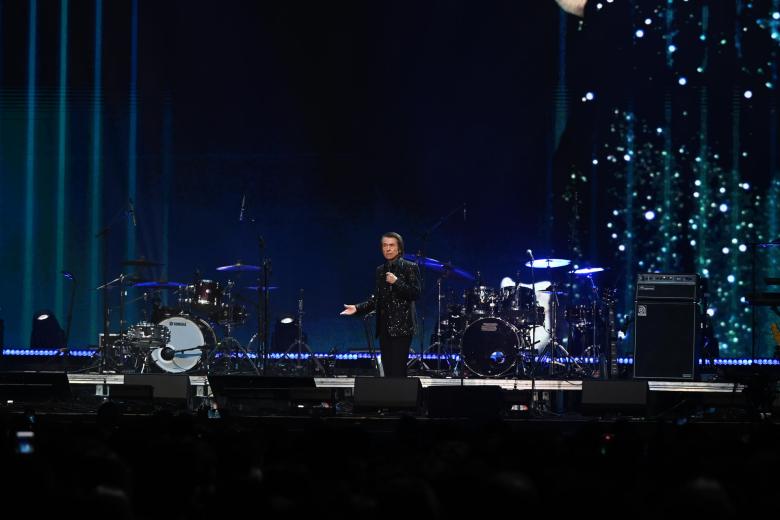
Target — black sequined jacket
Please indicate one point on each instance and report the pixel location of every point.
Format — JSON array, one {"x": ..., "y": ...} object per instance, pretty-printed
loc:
[{"x": 394, "y": 304}]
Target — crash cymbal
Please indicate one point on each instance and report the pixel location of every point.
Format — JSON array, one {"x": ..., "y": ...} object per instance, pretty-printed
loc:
[
  {"x": 438, "y": 266},
  {"x": 257, "y": 288},
  {"x": 550, "y": 291},
  {"x": 160, "y": 285},
  {"x": 238, "y": 266},
  {"x": 544, "y": 263},
  {"x": 141, "y": 262},
  {"x": 588, "y": 270}
]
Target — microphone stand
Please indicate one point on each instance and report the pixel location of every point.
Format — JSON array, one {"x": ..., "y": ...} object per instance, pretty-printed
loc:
[
  {"x": 70, "y": 308},
  {"x": 103, "y": 235},
  {"x": 370, "y": 342}
]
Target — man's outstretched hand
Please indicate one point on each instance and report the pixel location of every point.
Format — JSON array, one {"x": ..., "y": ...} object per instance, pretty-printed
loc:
[{"x": 349, "y": 310}]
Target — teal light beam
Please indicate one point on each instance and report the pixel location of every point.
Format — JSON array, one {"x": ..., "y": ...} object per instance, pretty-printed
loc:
[
  {"x": 774, "y": 174},
  {"x": 735, "y": 207},
  {"x": 667, "y": 222},
  {"x": 669, "y": 33},
  {"x": 96, "y": 180},
  {"x": 61, "y": 160},
  {"x": 702, "y": 254},
  {"x": 703, "y": 188},
  {"x": 29, "y": 192},
  {"x": 629, "y": 199}
]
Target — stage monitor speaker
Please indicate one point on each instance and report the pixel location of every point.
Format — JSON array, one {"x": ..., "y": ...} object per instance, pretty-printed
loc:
[
  {"x": 476, "y": 402},
  {"x": 258, "y": 394},
  {"x": 614, "y": 397},
  {"x": 387, "y": 392},
  {"x": 165, "y": 386},
  {"x": 33, "y": 387},
  {"x": 665, "y": 340}
]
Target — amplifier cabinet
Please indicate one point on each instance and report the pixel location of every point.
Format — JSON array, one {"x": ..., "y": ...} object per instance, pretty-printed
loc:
[{"x": 666, "y": 322}]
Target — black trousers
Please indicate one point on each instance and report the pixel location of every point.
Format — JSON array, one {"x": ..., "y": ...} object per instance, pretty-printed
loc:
[{"x": 395, "y": 354}]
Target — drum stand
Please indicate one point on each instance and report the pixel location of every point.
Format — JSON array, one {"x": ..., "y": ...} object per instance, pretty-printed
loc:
[
  {"x": 301, "y": 346},
  {"x": 228, "y": 347}
]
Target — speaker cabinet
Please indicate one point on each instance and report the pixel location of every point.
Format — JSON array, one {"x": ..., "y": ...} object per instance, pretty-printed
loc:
[
  {"x": 164, "y": 386},
  {"x": 474, "y": 402},
  {"x": 387, "y": 392},
  {"x": 614, "y": 397},
  {"x": 34, "y": 387},
  {"x": 252, "y": 395},
  {"x": 665, "y": 340}
]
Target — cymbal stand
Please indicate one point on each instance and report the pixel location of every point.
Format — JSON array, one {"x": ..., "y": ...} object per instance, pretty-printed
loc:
[
  {"x": 597, "y": 350},
  {"x": 262, "y": 303},
  {"x": 439, "y": 339},
  {"x": 420, "y": 255},
  {"x": 534, "y": 305},
  {"x": 554, "y": 345}
]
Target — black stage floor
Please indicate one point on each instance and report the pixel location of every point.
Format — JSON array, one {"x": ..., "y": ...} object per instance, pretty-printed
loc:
[{"x": 196, "y": 446}]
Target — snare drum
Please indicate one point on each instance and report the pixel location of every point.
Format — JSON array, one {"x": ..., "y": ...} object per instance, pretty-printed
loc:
[{"x": 145, "y": 336}]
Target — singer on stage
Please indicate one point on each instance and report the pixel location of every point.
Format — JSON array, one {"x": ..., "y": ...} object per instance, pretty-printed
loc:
[{"x": 397, "y": 287}]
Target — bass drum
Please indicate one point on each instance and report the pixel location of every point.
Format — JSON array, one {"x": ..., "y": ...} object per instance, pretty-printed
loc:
[
  {"x": 189, "y": 338},
  {"x": 490, "y": 347}
]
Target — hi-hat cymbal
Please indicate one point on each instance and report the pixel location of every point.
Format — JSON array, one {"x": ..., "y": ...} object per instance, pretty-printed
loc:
[
  {"x": 258, "y": 288},
  {"x": 160, "y": 285},
  {"x": 438, "y": 266},
  {"x": 141, "y": 262},
  {"x": 238, "y": 266},
  {"x": 544, "y": 263},
  {"x": 588, "y": 270}
]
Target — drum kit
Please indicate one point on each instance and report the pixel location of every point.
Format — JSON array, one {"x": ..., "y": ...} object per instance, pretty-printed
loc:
[
  {"x": 196, "y": 333},
  {"x": 512, "y": 331}
]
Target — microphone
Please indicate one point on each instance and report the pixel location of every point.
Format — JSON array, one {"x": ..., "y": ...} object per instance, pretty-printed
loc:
[
  {"x": 464, "y": 212},
  {"x": 167, "y": 353},
  {"x": 387, "y": 270},
  {"x": 131, "y": 210},
  {"x": 530, "y": 253},
  {"x": 243, "y": 207}
]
